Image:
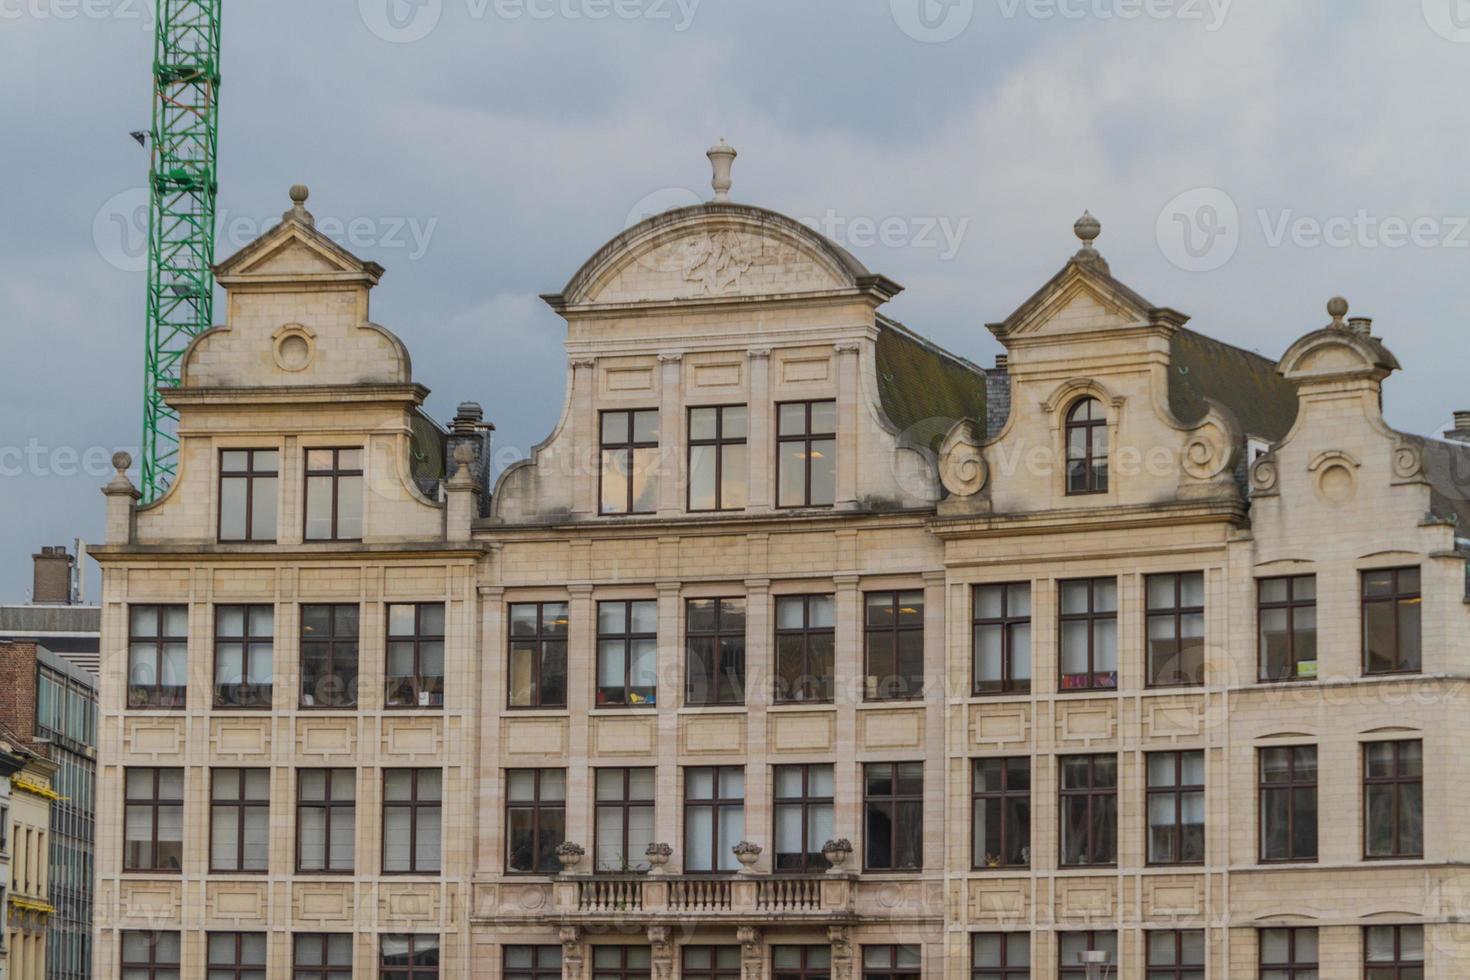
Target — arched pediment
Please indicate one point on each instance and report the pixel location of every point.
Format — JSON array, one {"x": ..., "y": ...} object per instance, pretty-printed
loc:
[{"x": 1334, "y": 352}]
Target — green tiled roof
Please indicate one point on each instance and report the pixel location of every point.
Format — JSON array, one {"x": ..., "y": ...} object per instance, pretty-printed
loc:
[
  {"x": 924, "y": 388},
  {"x": 1201, "y": 367}
]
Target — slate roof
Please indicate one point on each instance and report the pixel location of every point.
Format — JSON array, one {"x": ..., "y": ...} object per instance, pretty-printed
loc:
[
  {"x": 1246, "y": 383},
  {"x": 924, "y": 388}
]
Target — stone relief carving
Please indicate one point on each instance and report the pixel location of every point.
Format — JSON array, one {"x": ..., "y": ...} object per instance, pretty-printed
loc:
[
  {"x": 716, "y": 260},
  {"x": 1264, "y": 475},
  {"x": 1207, "y": 453},
  {"x": 962, "y": 466},
  {"x": 1408, "y": 461}
]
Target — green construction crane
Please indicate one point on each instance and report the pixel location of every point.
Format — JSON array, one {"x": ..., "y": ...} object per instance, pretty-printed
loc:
[{"x": 182, "y": 188}]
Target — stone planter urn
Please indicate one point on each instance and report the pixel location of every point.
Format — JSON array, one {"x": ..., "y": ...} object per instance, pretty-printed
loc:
[
  {"x": 570, "y": 855},
  {"x": 837, "y": 852},
  {"x": 658, "y": 855},
  {"x": 747, "y": 854}
]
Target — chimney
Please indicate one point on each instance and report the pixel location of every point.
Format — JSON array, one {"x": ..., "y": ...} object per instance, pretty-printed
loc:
[
  {"x": 1002, "y": 362},
  {"x": 1461, "y": 431},
  {"x": 52, "y": 576},
  {"x": 470, "y": 428},
  {"x": 1362, "y": 325}
]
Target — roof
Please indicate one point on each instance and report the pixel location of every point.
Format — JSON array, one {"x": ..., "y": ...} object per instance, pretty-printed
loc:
[
  {"x": 50, "y": 619},
  {"x": 923, "y": 387},
  {"x": 1447, "y": 468},
  {"x": 1202, "y": 368}
]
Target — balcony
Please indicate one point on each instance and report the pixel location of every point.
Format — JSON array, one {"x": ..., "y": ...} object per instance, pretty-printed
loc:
[{"x": 742, "y": 897}]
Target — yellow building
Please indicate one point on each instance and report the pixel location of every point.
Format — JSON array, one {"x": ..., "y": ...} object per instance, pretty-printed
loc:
[{"x": 27, "y": 840}]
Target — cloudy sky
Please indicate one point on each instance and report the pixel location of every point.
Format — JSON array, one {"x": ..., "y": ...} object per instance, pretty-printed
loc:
[{"x": 1248, "y": 159}]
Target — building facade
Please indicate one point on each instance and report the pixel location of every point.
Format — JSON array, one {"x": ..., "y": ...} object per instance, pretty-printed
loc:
[
  {"x": 800, "y": 648},
  {"x": 28, "y": 908}
]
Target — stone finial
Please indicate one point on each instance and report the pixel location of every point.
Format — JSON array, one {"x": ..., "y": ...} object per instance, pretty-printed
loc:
[
  {"x": 722, "y": 158},
  {"x": 1337, "y": 308},
  {"x": 1087, "y": 228},
  {"x": 298, "y": 212},
  {"x": 120, "y": 483}
]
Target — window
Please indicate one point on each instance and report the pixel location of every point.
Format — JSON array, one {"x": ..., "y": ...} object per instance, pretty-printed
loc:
[
  {"x": 1074, "y": 944},
  {"x": 891, "y": 962},
  {"x": 244, "y": 651},
  {"x": 1089, "y": 809},
  {"x": 538, "y": 655},
  {"x": 624, "y": 819},
  {"x": 801, "y": 962},
  {"x": 239, "y": 819},
  {"x": 237, "y": 956},
  {"x": 412, "y": 801},
  {"x": 893, "y": 815},
  {"x": 806, "y": 446},
  {"x": 1176, "y": 954},
  {"x": 1000, "y": 956},
  {"x": 535, "y": 819},
  {"x": 1002, "y": 639},
  {"x": 150, "y": 955},
  {"x": 805, "y": 641},
  {"x": 629, "y": 462},
  {"x": 1289, "y": 803},
  {"x": 329, "y": 656},
  {"x": 627, "y": 652},
  {"x": 1089, "y": 634},
  {"x": 710, "y": 963},
  {"x": 323, "y": 956},
  {"x": 1391, "y": 610},
  {"x": 533, "y": 963},
  {"x": 247, "y": 494},
  {"x": 714, "y": 817},
  {"x": 621, "y": 962},
  {"x": 1393, "y": 797},
  {"x": 1287, "y": 616},
  {"x": 154, "y": 820},
  {"x": 1087, "y": 448},
  {"x": 1001, "y": 816},
  {"x": 408, "y": 958},
  {"x": 1393, "y": 952},
  {"x": 803, "y": 805},
  {"x": 158, "y": 656},
  {"x": 1176, "y": 629},
  {"x": 716, "y": 639},
  {"x": 718, "y": 462},
  {"x": 415, "y": 655},
  {"x": 334, "y": 494},
  {"x": 1176, "y": 808},
  {"x": 326, "y": 820},
  {"x": 894, "y": 644},
  {"x": 1288, "y": 954}
]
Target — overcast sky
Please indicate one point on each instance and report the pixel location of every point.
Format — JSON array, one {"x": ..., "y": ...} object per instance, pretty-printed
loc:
[{"x": 1248, "y": 160}]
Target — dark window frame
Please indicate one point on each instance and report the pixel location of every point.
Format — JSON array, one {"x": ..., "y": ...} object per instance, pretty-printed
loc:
[
  {"x": 1065, "y": 970},
  {"x": 717, "y": 444},
  {"x": 627, "y": 638},
  {"x": 1178, "y": 970},
  {"x": 1095, "y": 479},
  {"x": 326, "y": 969},
  {"x": 716, "y": 805},
  {"x": 1002, "y": 797},
  {"x": 543, "y": 640},
  {"x": 892, "y": 970},
  {"x": 1400, "y": 966},
  {"x": 239, "y": 969},
  {"x": 806, "y": 971},
  {"x": 1093, "y": 793},
  {"x": 1292, "y": 785},
  {"x": 1292, "y": 606},
  {"x": 1397, "y": 781},
  {"x": 1176, "y": 613},
  {"x": 806, "y": 438},
  {"x": 1005, "y": 969},
  {"x": 811, "y": 858},
  {"x": 718, "y": 637},
  {"x": 537, "y": 970},
  {"x": 1397, "y": 598},
  {"x": 1007, "y": 623},
  {"x": 259, "y": 696},
  {"x": 623, "y": 970},
  {"x": 155, "y": 696},
  {"x": 629, "y": 451},
  {"x": 419, "y": 683},
  {"x": 410, "y": 970},
  {"x": 251, "y": 476},
  {"x": 1291, "y": 967},
  {"x": 713, "y": 971},
  {"x": 892, "y": 799},
  {"x": 804, "y": 634},
  {"x": 155, "y": 803},
  {"x": 335, "y": 474},
  {"x": 1092, "y": 617},
  {"x": 328, "y": 805},
  {"x": 536, "y": 806},
  {"x": 242, "y": 804},
  {"x": 1178, "y": 791},
  {"x": 153, "y": 967},
  {"x": 414, "y": 806},
  {"x": 896, "y": 629},
  {"x": 624, "y": 805},
  {"x": 330, "y": 644}
]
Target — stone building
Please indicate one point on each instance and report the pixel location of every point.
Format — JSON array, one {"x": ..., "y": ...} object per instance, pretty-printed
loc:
[
  {"x": 28, "y": 908},
  {"x": 800, "y": 648}
]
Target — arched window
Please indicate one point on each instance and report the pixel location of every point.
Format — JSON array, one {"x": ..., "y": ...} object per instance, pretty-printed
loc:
[{"x": 1087, "y": 447}]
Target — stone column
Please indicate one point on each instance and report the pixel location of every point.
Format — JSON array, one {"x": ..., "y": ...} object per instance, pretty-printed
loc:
[
  {"x": 671, "y": 453},
  {"x": 760, "y": 440},
  {"x": 752, "y": 953},
  {"x": 581, "y": 633},
  {"x": 573, "y": 952},
  {"x": 849, "y": 423},
  {"x": 582, "y": 469},
  {"x": 841, "y": 939},
  {"x": 848, "y": 669},
  {"x": 759, "y": 683},
  {"x": 670, "y": 696},
  {"x": 662, "y": 952}
]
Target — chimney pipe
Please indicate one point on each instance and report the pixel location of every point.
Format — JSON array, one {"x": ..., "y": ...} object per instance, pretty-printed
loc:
[
  {"x": 1461, "y": 431},
  {"x": 1002, "y": 362},
  {"x": 51, "y": 578}
]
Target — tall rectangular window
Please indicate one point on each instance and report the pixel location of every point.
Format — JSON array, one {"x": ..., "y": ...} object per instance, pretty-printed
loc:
[
  {"x": 801, "y": 962},
  {"x": 710, "y": 963},
  {"x": 239, "y": 819},
  {"x": 893, "y": 643},
  {"x": 624, "y": 819},
  {"x": 415, "y": 655},
  {"x": 1087, "y": 447},
  {"x": 326, "y": 820},
  {"x": 334, "y": 495},
  {"x": 237, "y": 956},
  {"x": 534, "y": 963},
  {"x": 329, "y": 655},
  {"x": 627, "y": 652},
  {"x": 1176, "y": 629},
  {"x": 1089, "y": 809},
  {"x": 535, "y": 819},
  {"x": 1073, "y": 944},
  {"x": 803, "y": 807},
  {"x": 1002, "y": 639},
  {"x": 1393, "y": 799},
  {"x": 538, "y": 655},
  {"x": 629, "y": 462},
  {"x": 322, "y": 956},
  {"x": 898, "y": 962},
  {"x": 1392, "y": 607},
  {"x": 714, "y": 817},
  {"x": 408, "y": 957},
  {"x": 1001, "y": 814},
  {"x": 1393, "y": 952},
  {"x": 806, "y": 444},
  {"x": 244, "y": 656},
  {"x": 248, "y": 482},
  {"x": 1286, "y": 612},
  {"x": 1000, "y": 956},
  {"x": 413, "y": 801},
  {"x": 1176, "y": 807},
  {"x": 716, "y": 643},
  {"x": 1287, "y": 954},
  {"x": 718, "y": 462},
  {"x": 1089, "y": 634},
  {"x": 622, "y": 963},
  {"x": 893, "y": 815},
  {"x": 158, "y": 656},
  {"x": 153, "y": 824},
  {"x": 1176, "y": 954},
  {"x": 149, "y": 955},
  {"x": 806, "y": 632},
  {"x": 1288, "y": 781}
]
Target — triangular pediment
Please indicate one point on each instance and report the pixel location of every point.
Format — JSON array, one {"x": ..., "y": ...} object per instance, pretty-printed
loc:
[
  {"x": 1079, "y": 298},
  {"x": 295, "y": 250}
]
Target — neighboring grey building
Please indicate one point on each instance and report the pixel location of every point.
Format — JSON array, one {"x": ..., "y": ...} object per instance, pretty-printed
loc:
[{"x": 56, "y": 616}]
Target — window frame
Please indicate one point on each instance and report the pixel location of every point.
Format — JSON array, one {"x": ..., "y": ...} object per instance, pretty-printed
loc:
[
  {"x": 893, "y": 799},
  {"x": 1177, "y": 970},
  {"x": 1291, "y": 605},
  {"x": 1292, "y": 785},
  {"x": 250, "y": 644},
  {"x": 251, "y": 476},
  {"x": 544, "y": 641},
  {"x": 328, "y": 805},
  {"x": 536, "y": 806},
  {"x": 242, "y": 804},
  {"x": 159, "y": 641},
  {"x": 1397, "y": 599},
  {"x": 716, "y": 804},
  {"x": 805, "y": 634},
  {"x": 1093, "y": 793},
  {"x": 418, "y": 638},
  {"x": 625, "y": 805},
  {"x": 626, "y": 638},
  {"x": 330, "y": 644},
  {"x": 1002, "y": 797},
  {"x": 714, "y": 971},
  {"x": 1397, "y": 782},
  {"x": 1065, "y": 970},
  {"x": 155, "y": 804},
  {"x": 335, "y": 474},
  {"x": 1092, "y": 617},
  {"x": 1178, "y": 791},
  {"x": 812, "y": 859},
  {"x": 153, "y": 968},
  {"x": 806, "y": 971},
  {"x": 537, "y": 970},
  {"x": 806, "y": 438},
  {"x": 892, "y": 970},
  {"x": 1289, "y": 968},
  {"x": 718, "y": 636},
  {"x": 717, "y": 444},
  {"x": 623, "y": 971},
  {"x": 896, "y": 629},
  {"x": 411, "y": 970},
  {"x": 629, "y": 451},
  {"x": 1005, "y": 970},
  {"x": 239, "y": 969},
  {"x": 1092, "y": 483},
  {"x": 1007, "y": 624},
  {"x": 1176, "y": 613},
  {"x": 325, "y": 970},
  {"x": 414, "y": 806},
  {"x": 1398, "y": 964}
]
